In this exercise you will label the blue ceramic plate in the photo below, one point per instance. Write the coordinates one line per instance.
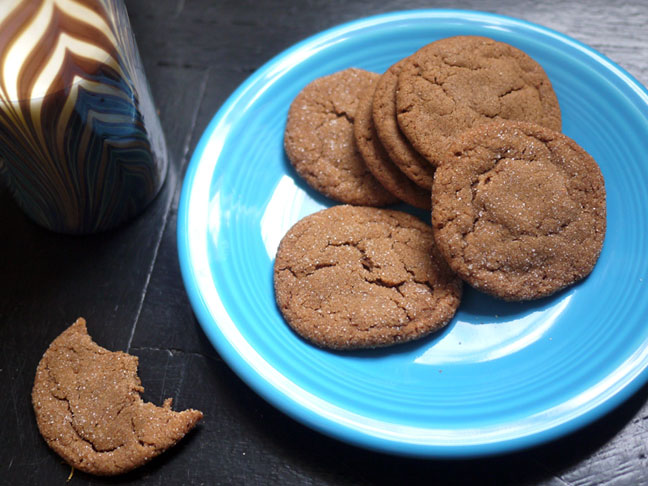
(502, 376)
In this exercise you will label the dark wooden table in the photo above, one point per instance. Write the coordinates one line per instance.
(127, 282)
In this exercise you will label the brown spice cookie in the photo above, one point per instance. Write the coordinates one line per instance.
(88, 407)
(356, 277)
(413, 165)
(456, 83)
(319, 139)
(520, 213)
(379, 163)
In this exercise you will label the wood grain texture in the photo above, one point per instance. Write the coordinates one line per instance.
(127, 282)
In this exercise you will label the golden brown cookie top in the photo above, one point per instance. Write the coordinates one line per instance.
(413, 165)
(357, 277)
(520, 212)
(378, 161)
(89, 410)
(319, 139)
(456, 83)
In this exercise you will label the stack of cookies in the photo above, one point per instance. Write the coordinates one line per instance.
(467, 127)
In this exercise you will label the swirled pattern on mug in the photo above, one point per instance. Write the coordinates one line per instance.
(81, 145)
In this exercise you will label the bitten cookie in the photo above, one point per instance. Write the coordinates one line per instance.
(379, 162)
(88, 407)
(357, 277)
(319, 139)
(408, 160)
(456, 83)
(520, 212)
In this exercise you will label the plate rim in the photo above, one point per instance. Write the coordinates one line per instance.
(244, 369)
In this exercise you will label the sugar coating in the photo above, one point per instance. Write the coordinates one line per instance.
(519, 212)
(319, 141)
(89, 410)
(357, 277)
(456, 83)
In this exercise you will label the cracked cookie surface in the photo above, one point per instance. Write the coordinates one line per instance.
(319, 142)
(414, 166)
(353, 277)
(459, 82)
(379, 162)
(521, 212)
(89, 410)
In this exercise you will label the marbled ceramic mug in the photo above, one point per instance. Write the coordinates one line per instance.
(81, 147)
